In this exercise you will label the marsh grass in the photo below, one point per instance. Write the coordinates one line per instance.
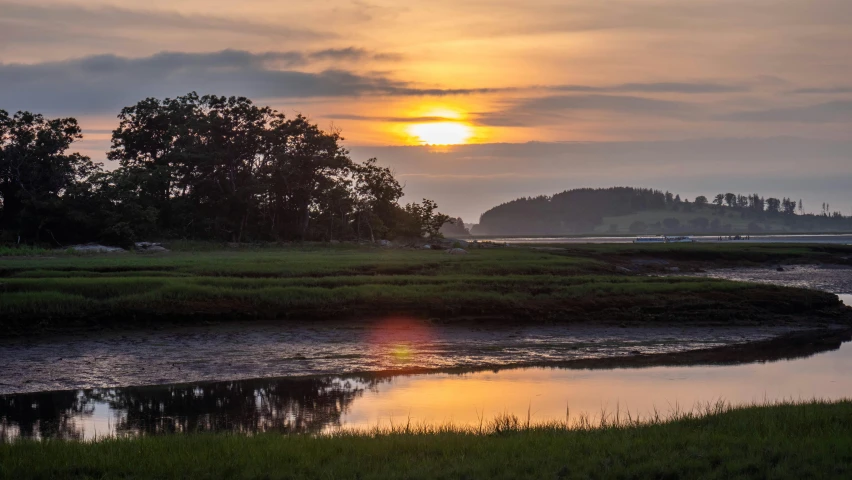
(779, 441)
(22, 251)
(310, 282)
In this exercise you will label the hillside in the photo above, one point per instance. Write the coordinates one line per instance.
(624, 210)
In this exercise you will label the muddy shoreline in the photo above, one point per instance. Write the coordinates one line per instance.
(268, 349)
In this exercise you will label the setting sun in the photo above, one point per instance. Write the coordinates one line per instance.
(441, 133)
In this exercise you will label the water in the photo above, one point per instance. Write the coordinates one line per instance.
(840, 239)
(828, 278)
(327, 403)
(271, 349)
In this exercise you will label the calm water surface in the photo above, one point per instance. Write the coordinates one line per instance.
(842, 239)
(328, 403)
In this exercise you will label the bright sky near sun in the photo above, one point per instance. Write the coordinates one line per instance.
(491, 74)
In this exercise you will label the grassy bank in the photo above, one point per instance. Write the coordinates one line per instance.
(812, 440)
(515, 284)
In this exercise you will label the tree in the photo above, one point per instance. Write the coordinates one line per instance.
(671, 223)
(376, 193)
(773, 205)
(425, 217)
(719, 199)
(226, 168)
(731, 199)
(700, 201)
(35, 173)
(455, 228)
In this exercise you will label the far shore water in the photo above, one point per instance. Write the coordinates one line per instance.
(827, 238)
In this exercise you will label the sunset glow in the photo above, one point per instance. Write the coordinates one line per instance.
(541, 93)
(441, 133)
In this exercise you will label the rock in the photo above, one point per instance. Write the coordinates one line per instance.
(673, 269)
(148, 247)
(623, 269)
(155, 249)
(426, 247)
(779, 269)
(385, 243)
(457, 251)
(95, 248)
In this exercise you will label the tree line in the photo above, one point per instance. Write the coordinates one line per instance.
(583, 210)
(197, 167)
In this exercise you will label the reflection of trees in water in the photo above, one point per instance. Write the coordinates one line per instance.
(304, 405)
(43, 415)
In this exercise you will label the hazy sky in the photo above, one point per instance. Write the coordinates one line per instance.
(693, 96)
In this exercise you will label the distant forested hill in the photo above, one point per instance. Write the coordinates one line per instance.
(646, 211)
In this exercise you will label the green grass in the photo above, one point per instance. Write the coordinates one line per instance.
(789, 441)
(578, 283)
(22, 251)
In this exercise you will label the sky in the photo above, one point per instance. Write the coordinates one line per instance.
(479, 102)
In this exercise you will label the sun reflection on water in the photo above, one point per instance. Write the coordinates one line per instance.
(399, 338)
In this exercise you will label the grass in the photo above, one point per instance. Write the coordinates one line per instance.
(22, 251)
(783, 441)
(577, 283)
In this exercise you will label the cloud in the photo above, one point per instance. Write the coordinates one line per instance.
(77, 18)
(659, 87)
(351, 54)
(828, 90)
(106, 83)
(347, 116)
(839, 111)
(553, 109)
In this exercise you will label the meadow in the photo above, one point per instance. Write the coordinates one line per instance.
(203, 282)
(781, 441)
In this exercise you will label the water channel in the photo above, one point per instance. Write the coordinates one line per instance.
(322, 403)
(327, 403)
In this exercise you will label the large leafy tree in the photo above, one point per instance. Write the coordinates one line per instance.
(204, 167)
(304, 165)
(36, 171)
(198, 158)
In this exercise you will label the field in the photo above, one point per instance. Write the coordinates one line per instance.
(787, 441)
(580, 283)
